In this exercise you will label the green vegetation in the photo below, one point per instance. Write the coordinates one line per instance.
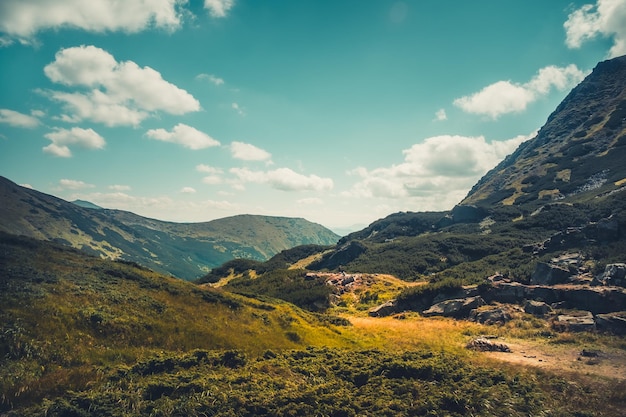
(314, 382)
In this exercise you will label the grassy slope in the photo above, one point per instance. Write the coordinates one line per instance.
(86, 337)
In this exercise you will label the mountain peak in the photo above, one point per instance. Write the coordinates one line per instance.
(580, 146)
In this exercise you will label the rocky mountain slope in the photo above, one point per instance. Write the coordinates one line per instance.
(185, 250)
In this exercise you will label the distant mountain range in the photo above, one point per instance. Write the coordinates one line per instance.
(184, 250)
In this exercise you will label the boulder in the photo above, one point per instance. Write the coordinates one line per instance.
(612, 323)
(550, 274)
(536, 308)
(614, 275)
(460, 307)
(492, 316)
(579, 322)
(383, 310)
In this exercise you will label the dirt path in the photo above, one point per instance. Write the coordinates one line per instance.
(565, 359)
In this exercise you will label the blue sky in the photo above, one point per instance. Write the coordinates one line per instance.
(341, 112)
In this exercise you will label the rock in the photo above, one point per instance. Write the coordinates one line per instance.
(550, 274)
(484, 345)
(614, 275)
(383, 310)
(459, 307)
(493, 316)
(612, 323)
(583, 321)
(536, 308)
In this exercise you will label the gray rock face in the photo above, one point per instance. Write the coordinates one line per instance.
(459, 307)
(549, 274)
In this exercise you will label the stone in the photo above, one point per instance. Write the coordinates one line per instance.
(485, 345)
(459, 307)
(614, 323)
(536, 308)
(580, 322)
(383, 310)
(492, 316)
(549, 274)
(614, 275)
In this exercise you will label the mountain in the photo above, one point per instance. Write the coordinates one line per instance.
(562, 190)
(185, 250)
(577, 155)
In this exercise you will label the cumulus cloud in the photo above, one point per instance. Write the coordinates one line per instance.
(18, 119)
(62, 139)
(606, 18)
(248, 152)
(22, 19)
(188, 190)
(215, 174)
(283, 179)
(504, 97)
(117, 93)
(211, 78)
(218, 8)
(68, 184)
(438, 172)
(184, 135)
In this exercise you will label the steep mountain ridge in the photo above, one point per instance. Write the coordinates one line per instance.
(185, 250)
(579, 149)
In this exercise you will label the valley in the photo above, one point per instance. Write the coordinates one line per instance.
(511, 303)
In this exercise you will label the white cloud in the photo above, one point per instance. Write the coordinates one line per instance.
(63, 138)
(67, 184)
(184, 135)
(238, 109)
(283, 179)
(118, 93)
(248, 152)
(218, 8)
(22, 19)
(437, 173)
(18, 119)
(118, 187)
(504, 97)
(208, 169)
(188, 190)
(211, 78)
(441, 115)
(606, 18)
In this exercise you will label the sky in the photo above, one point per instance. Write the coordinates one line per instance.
(338, 111)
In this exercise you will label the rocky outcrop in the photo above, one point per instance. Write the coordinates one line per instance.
(549, 274)
(596, 299)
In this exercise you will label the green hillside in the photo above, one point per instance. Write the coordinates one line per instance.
(184, 250)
